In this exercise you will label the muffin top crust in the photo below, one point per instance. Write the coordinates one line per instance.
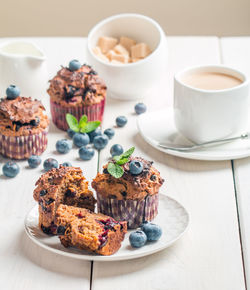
(79, 87)
(129, 186)
(22, 116)
(57, 176)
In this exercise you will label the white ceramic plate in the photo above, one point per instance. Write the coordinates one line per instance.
(159, 126)
(173, 219)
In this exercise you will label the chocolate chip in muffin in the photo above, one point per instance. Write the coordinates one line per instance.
(113, 196)
(35, 122)
(46, 230)
(69, 92)
(61, 230)
(92, 72)
(51, 180)
(17, 124)
(44, 208)
(43, 192)
(124, 194)
(49, 201)
(70, 193)
(153, 177)
(86, 90)
(49, 230)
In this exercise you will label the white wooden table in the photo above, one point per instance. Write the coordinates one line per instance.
(215, 252)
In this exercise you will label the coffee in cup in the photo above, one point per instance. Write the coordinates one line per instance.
(207, 80)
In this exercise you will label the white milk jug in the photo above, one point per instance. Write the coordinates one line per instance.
(23, 64)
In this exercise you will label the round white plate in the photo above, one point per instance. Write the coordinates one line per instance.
(173, 219)
(159, 126)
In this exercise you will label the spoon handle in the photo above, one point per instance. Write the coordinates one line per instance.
(195, 146)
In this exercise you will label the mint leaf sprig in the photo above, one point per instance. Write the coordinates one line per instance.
(114, 167)
(83, 126)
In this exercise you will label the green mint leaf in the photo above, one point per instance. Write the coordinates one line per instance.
(83, 128)
(115, 170)
(83, 121)
(116, 158)
(91, 126)
(127, 153)
(122, 161)
(72, 122)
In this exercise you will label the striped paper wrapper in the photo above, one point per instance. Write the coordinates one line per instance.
(58, 112)
(135, 212)
(22, 147)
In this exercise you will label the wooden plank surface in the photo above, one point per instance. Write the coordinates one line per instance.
(236, 53)
(209, 254)
(24, 265)
(207, 257)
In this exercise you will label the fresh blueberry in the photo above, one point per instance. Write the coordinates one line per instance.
(67, 164)
(116, 149)
(152, 231)
(81, 139)
(74, 65)
(12, 92)
(34, 161)
(63, 146)
(50, 163)
(11, 169)
(100, 141)
(137, 239)
(140, 108)
(109, 132)
(86, 153)
(135, 167)
(121, 121)
(96, 132)
(71, 133)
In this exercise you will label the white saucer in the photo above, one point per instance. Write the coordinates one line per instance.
(173, 219)
(159, 126)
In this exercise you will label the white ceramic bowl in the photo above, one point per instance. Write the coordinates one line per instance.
(133, 80)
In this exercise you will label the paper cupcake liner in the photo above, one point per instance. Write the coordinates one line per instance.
(135, 212)
(22, 147)
(58, 112)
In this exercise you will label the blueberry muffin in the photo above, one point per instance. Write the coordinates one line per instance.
(132, 197)
(23, 127)
(89, 231)
(77, 90)
(63, 185)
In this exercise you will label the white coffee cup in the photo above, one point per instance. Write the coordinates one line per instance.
(204, 115)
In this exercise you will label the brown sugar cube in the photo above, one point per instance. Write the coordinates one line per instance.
(135, 59)
(111, 55)
(121, 50)
(106, 43)
(97, 51)
(116, 61)
(127, 42)
(140, 50)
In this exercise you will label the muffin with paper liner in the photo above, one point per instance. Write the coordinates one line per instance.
(77, 90)
(125, 194)
(23, 126)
